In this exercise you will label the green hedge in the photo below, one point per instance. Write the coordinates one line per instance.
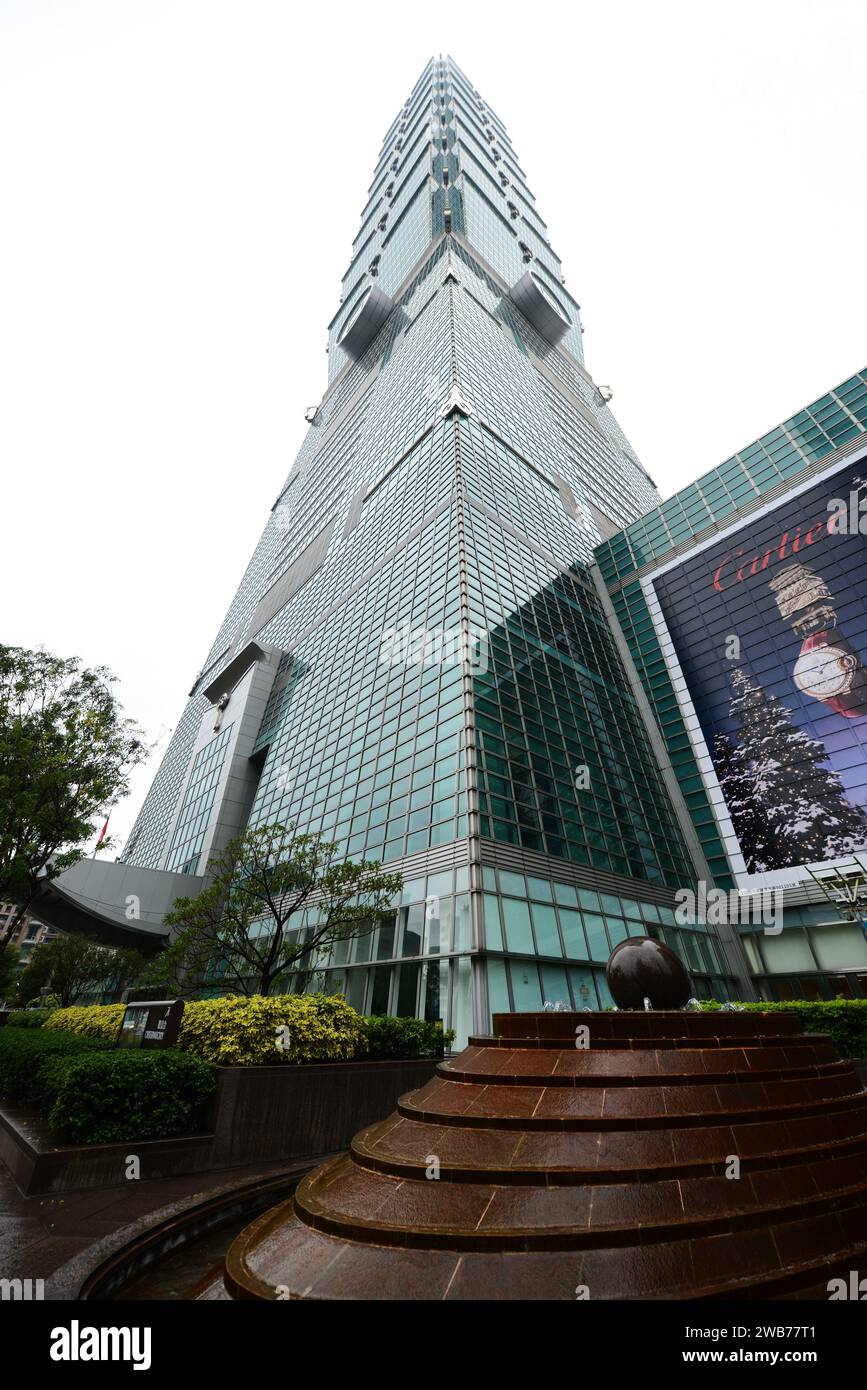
(241, 1030)
(845, 1020)
(245, 1030)
(93, 1093)
(387, 1036)
(28, 1018)
(33, 1063)
(91, 1020)
(113, 1097)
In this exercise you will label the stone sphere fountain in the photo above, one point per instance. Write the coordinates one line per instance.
(644, 1153)
(642, 968)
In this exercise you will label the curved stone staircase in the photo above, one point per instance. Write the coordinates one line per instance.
(529, 1168)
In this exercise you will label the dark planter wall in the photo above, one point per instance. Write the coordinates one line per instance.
(260, 1115)
(265, 1113)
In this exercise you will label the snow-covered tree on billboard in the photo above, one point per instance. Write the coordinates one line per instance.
(739, 790)
(788, 806)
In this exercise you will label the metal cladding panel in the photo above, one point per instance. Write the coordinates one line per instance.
(366, 322)
(229, 675)
(288, 583)
(537, 305)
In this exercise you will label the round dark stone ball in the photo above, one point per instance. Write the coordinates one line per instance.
(642, 968)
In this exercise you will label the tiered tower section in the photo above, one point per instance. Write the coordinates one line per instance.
(454, 481)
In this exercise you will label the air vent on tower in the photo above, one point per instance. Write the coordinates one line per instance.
(539, 306)
(364, 324)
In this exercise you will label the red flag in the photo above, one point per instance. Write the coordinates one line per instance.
(102, 831)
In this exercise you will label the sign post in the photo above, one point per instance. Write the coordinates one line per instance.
(151, 1023)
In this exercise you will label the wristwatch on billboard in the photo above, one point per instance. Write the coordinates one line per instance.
(828, 668)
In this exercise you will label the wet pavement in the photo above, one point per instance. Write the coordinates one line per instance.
(61, 1238)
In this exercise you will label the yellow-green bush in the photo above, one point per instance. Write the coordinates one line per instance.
(242, 1031)
(91, 1020)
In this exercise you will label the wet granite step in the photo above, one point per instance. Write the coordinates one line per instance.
(560, 1167)
(287, 1259)
(377, 1209)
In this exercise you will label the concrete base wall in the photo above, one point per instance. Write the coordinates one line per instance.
(260, 1115)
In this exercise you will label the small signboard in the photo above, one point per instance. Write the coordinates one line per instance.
(151, 1023)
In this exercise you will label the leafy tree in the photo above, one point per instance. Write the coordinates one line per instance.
(34, 977)
(65, 753)
(8, 968)
(120, 969)
(240, 929)
(71, 966)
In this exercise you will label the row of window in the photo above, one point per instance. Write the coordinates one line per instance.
(822, 427)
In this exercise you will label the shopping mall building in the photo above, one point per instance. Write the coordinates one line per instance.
(742, 602)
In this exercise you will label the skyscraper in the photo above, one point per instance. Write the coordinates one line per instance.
(417, 661)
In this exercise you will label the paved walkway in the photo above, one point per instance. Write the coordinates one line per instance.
(61, 1238)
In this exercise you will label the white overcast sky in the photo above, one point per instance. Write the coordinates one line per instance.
(181, 184)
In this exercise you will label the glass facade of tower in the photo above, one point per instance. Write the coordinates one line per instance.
(454, 482)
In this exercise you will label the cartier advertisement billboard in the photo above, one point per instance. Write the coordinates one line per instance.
(769, 629)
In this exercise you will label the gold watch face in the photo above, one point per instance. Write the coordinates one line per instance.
(824, 672)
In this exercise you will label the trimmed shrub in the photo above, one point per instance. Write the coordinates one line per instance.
(90, 1020)
(34, 1062)
(93, 1093)
(845, 1020)
(387, 1036)
(28, 1018)
(119, 1096)
(242, 1030)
